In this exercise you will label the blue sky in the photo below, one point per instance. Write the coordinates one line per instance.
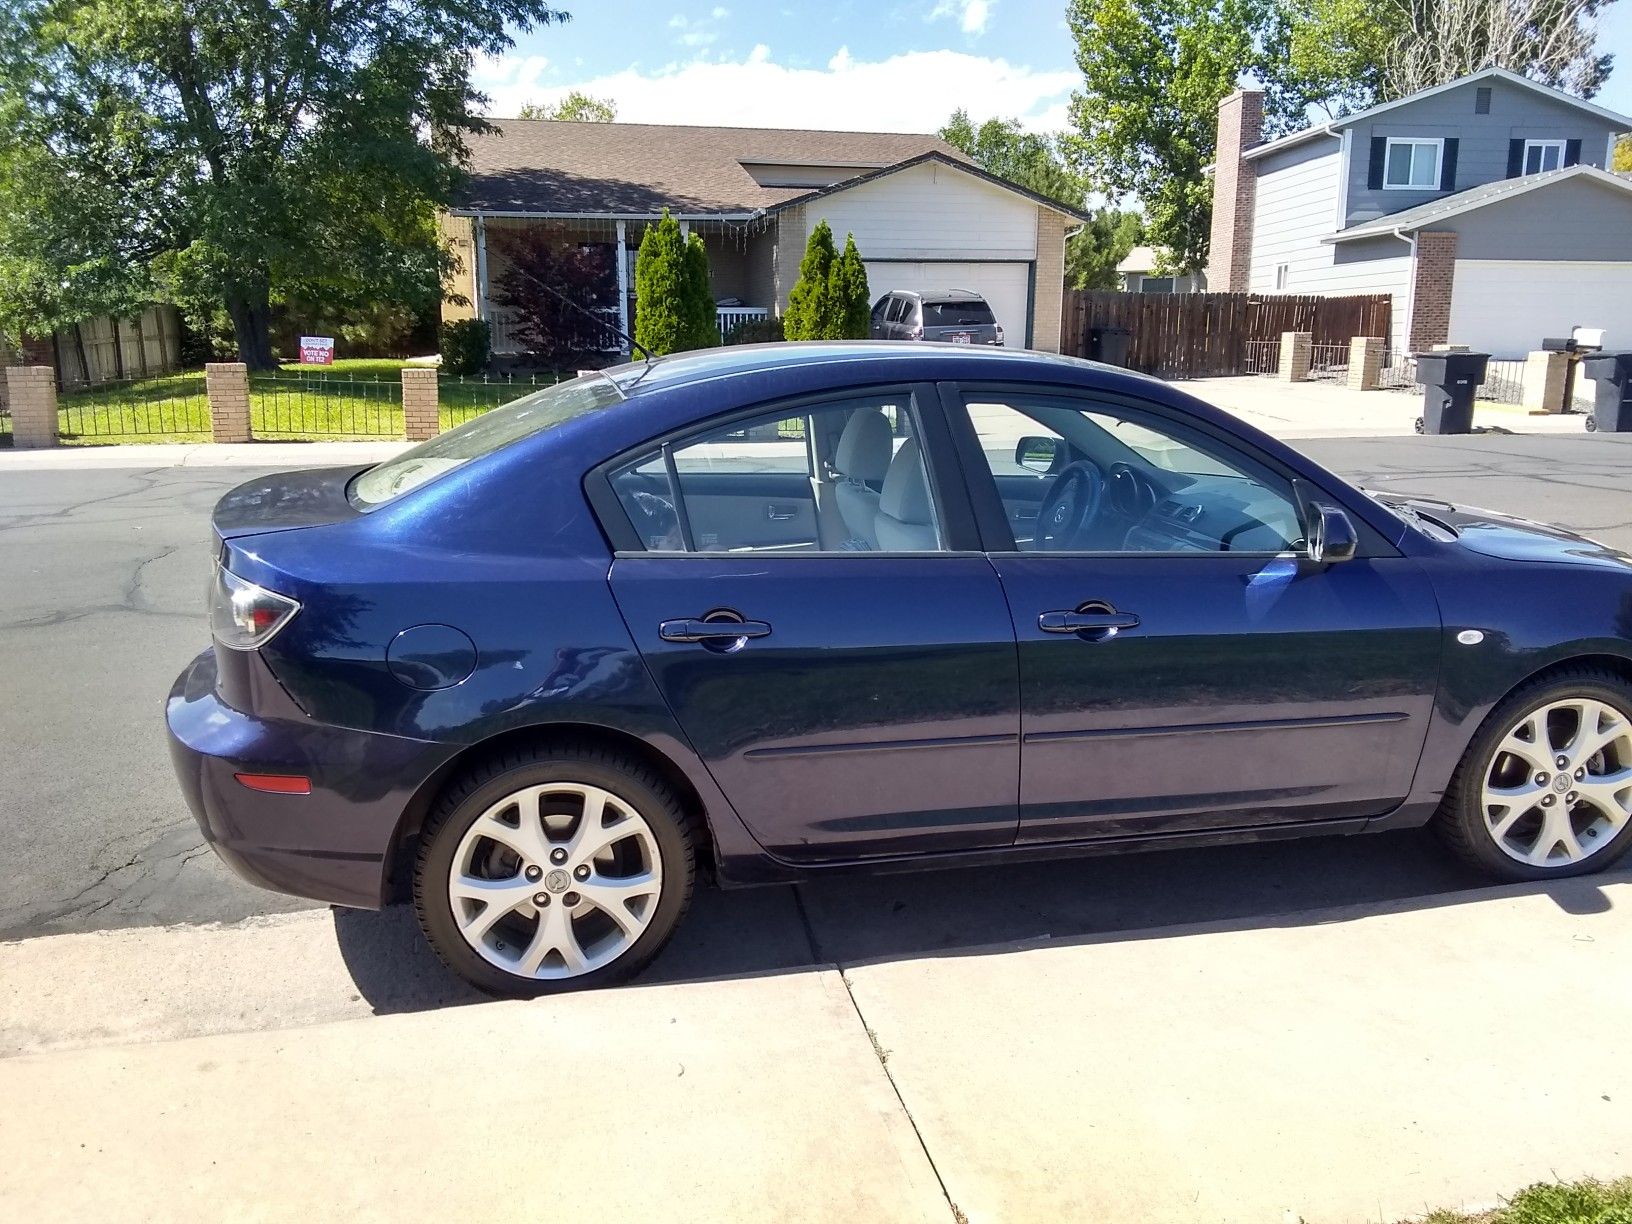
(889, 65)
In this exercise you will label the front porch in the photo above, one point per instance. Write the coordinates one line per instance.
(741, 257)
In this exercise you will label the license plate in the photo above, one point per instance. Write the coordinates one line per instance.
(960, 338)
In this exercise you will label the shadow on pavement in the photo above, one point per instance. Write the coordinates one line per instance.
(975, 911)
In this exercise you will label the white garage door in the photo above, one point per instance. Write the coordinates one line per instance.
(1506, 307)
(1003, 285)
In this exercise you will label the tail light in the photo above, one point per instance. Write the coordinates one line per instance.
(244, 616)
(1000, 333)
(916, 333)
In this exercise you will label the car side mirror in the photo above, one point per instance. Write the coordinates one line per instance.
(1332, 537)
(1037, 454)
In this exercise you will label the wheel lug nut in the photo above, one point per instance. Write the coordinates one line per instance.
(541, 899)
(1580, 773)
(1546, 801)
(1542, 779)
(1571, 797)
(558, 856)
(582, 872)
(534, 874)
(571, 899)
(1563, 762)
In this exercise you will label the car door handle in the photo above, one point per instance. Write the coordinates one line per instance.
(692, 630)
(1093, 625)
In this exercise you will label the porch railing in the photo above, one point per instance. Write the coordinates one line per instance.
(732, 317)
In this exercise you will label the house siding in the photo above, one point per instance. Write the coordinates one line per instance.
(459, 282)
(1575, 221)
(931, 212)
(1516, 113)
(1296, 207)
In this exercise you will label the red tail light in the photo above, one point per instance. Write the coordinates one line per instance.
(276, 784)
(244, 616)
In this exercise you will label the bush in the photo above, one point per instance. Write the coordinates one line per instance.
(830, 302)
(704, 331)
(467, 344)
(757, 331)
(851, 296)
(661, 325)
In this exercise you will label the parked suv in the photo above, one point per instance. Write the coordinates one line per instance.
(960, 316)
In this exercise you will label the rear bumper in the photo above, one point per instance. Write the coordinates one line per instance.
(333, 844)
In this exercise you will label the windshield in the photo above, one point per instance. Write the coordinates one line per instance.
(535, 413)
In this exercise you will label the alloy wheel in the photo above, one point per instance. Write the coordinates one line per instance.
(1559, 786)
(555, 881)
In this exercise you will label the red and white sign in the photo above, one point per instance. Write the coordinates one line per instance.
(317, 350)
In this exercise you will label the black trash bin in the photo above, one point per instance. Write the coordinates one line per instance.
(1449, 382)
(1109, 345)
(1612, 406)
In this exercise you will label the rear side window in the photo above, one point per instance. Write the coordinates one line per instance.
(492, 431)
(952, 314)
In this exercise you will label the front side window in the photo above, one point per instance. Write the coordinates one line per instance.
(1087, 477)
(1412, 164)
(1540, 156)
(844, 477)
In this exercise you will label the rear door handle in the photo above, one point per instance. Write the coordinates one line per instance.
(692, 630)
(1095, 624)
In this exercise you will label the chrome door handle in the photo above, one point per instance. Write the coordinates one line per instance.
(1092, 623)
(693, 630)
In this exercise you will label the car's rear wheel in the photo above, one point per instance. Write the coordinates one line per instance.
(1545, 789)
(553, 870)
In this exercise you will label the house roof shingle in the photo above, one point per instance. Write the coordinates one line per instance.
(550, 166)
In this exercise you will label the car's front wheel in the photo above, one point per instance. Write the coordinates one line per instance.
(1545, 789)
(553, 870)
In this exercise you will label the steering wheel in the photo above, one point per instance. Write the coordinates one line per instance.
(1071, 506)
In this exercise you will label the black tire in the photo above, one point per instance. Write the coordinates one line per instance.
(467, 797)
(1460, 822)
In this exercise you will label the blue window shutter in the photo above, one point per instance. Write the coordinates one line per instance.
(1515, 158)
(1572, 152)
(1374, 172)
(1447, 166)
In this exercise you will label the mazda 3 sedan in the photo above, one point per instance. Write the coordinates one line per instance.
(774, 611)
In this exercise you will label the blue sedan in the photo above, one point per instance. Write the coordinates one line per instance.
(774, 611)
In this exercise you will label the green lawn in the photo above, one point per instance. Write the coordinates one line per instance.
(351, 399)
(1582, 1202)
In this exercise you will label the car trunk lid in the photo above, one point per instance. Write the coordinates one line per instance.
(284, 501)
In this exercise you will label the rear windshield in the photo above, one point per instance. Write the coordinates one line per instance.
(535, 413)
(951, 314)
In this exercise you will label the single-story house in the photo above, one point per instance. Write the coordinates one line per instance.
(1484, 206)
(924, 216)
(1138, 272)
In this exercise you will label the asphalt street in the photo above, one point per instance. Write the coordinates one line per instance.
(102, 579)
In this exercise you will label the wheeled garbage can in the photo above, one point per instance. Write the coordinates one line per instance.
(1109, 345)
(1612, 405)
(1449, 383)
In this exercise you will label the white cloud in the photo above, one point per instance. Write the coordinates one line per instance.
(697, 38)
(678, 22)
(759, 91)
(719, 12)
(973, 15)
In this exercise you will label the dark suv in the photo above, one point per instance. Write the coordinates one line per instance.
(959, 316)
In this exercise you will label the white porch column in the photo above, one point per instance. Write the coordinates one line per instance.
(623, 284)
(685, 229)
(481, 266)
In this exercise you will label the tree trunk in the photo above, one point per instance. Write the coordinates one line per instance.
(252, 328)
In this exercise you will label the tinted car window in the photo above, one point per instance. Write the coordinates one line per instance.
(535, 413)
(753, 486)
(951, 314)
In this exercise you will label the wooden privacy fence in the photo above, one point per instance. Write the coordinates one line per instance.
(1199, 335)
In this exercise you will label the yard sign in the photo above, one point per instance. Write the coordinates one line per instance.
(317, 350)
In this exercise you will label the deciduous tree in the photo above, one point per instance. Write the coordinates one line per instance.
(576, 107)
(222, 152)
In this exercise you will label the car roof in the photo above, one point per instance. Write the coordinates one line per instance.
(938, 295)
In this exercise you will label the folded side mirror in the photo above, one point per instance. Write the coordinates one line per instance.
(1332, 537)
(1036, 453)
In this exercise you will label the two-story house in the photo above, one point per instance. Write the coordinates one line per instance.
(1484, 206)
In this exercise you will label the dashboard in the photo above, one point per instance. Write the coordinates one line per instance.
(1195, 513)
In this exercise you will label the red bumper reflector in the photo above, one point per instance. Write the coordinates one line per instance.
(276, 784)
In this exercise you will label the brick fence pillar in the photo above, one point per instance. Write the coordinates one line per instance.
(32, 391)
(1544, 377)
(1432, 279)
(1297, 348)
(226, 383)
(1365, 363)
(421, 416)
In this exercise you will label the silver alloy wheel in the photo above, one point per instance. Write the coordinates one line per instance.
(1559, 787)
(555, 881)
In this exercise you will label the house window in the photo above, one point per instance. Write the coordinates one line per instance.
(1412, 165)
(1540, 156)
(1283, 274)
(1156, 284)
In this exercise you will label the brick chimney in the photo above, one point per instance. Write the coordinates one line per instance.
(1235, 183)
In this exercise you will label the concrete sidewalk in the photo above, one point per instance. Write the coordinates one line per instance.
(1363, 1064)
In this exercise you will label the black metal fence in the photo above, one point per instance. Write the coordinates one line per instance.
(465, 399)
(169, 407)
(1260, 356)
(1504, 378)
(314, 405)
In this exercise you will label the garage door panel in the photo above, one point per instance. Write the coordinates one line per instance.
(1003, 285)
(1506, 307)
